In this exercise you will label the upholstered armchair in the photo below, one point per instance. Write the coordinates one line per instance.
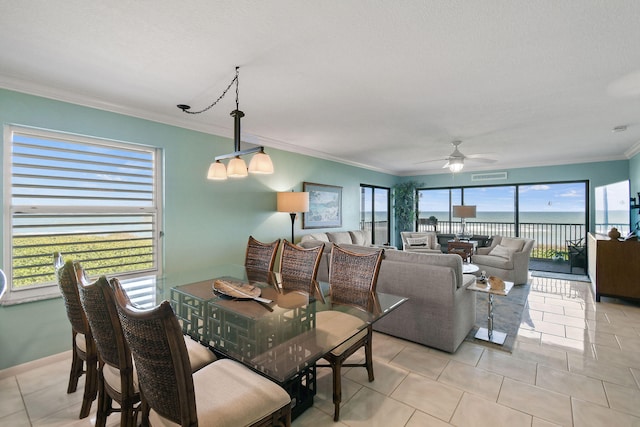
(420, 241)
(507, 258)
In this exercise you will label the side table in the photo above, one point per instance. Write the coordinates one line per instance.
(488, 334)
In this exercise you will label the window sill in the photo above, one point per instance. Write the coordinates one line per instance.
(30, 295)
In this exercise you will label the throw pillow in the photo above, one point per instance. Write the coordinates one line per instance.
(502, 252)
(418, 241)
(515, 244)
(340, 237)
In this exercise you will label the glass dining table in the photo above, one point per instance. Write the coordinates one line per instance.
(279, 334)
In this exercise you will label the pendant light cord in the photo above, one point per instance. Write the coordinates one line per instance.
(235, 80)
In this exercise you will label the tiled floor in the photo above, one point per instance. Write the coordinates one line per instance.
(575, 363)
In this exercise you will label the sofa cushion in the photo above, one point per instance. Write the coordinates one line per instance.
(515, 244)
(493, 261)
(502, 252)
(360, 237)
(317, 236)
(340, 237)
(419, 241)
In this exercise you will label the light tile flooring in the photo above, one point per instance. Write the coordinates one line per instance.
(575, 363)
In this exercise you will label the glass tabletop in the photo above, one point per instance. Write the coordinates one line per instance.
(289, 330)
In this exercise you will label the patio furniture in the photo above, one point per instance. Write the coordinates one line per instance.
(577, 250)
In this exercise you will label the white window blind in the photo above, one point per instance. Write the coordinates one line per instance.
(93, 200)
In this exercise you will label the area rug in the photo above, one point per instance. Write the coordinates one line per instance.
(562, 276)
(507, 315)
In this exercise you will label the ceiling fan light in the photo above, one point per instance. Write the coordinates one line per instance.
(217, 171)
(237, 168)
(261, 163)
(456, 165)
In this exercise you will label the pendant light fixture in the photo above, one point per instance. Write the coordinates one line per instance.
(237, 168)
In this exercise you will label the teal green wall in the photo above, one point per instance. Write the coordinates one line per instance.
(204, 221)
(597, 174)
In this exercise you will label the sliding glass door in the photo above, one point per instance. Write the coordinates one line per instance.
(374, 213)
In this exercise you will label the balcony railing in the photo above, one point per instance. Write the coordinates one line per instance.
(551, 239)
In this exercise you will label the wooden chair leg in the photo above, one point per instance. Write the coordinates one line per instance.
(368, 351)
(77, 365)
(90, 386)
(336, 367)
(103, 402)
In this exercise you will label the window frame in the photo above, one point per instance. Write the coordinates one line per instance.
(373, 189)
(47, 290)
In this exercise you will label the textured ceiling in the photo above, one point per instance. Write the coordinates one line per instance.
(382, 84)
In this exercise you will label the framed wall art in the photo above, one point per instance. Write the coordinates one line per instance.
(325, 206)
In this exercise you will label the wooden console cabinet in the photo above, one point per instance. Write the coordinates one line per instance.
(614, 267)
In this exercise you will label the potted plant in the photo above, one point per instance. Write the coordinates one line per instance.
(405, 203)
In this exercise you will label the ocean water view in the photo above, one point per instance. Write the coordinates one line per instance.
(614, 217)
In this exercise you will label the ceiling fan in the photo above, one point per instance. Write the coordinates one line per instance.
(455, 161)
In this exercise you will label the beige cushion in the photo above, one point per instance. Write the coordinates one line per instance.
(419, 241)
(502, 251)
(515, 244)
(341, 237)
(199, 355)
(111, 376)
(81, 342)
(360, 237)
(229, 395)
(317, 236)
(333, 326)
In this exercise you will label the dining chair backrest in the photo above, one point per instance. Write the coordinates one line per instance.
(118, 377)
(260, 256)
(299, 263)
(100, 307)
(158, 348)
(84, 349)
(353, 277)
(67, 282)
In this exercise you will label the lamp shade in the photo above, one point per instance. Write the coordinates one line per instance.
(463, 211)
(290, 201)
(261, 163)
(217, 171)
(237, 168)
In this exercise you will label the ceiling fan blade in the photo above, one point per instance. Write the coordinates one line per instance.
(481, 159)
(432, 160)
(446, 165)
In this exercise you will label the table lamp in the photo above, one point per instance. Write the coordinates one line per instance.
(293, 202)
(463, 212)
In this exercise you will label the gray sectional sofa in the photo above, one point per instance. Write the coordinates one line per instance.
(440, 311)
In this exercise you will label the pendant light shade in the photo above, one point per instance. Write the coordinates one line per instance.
(217, 171)
(261, 163)
(237, 168)
(456, 164)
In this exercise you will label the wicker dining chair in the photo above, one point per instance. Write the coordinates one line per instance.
(299, 266)
(222, 393)
(82, 342)
(261, 256)
(117, 379)
(352, 281)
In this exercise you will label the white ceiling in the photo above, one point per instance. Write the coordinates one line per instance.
(382, 84)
